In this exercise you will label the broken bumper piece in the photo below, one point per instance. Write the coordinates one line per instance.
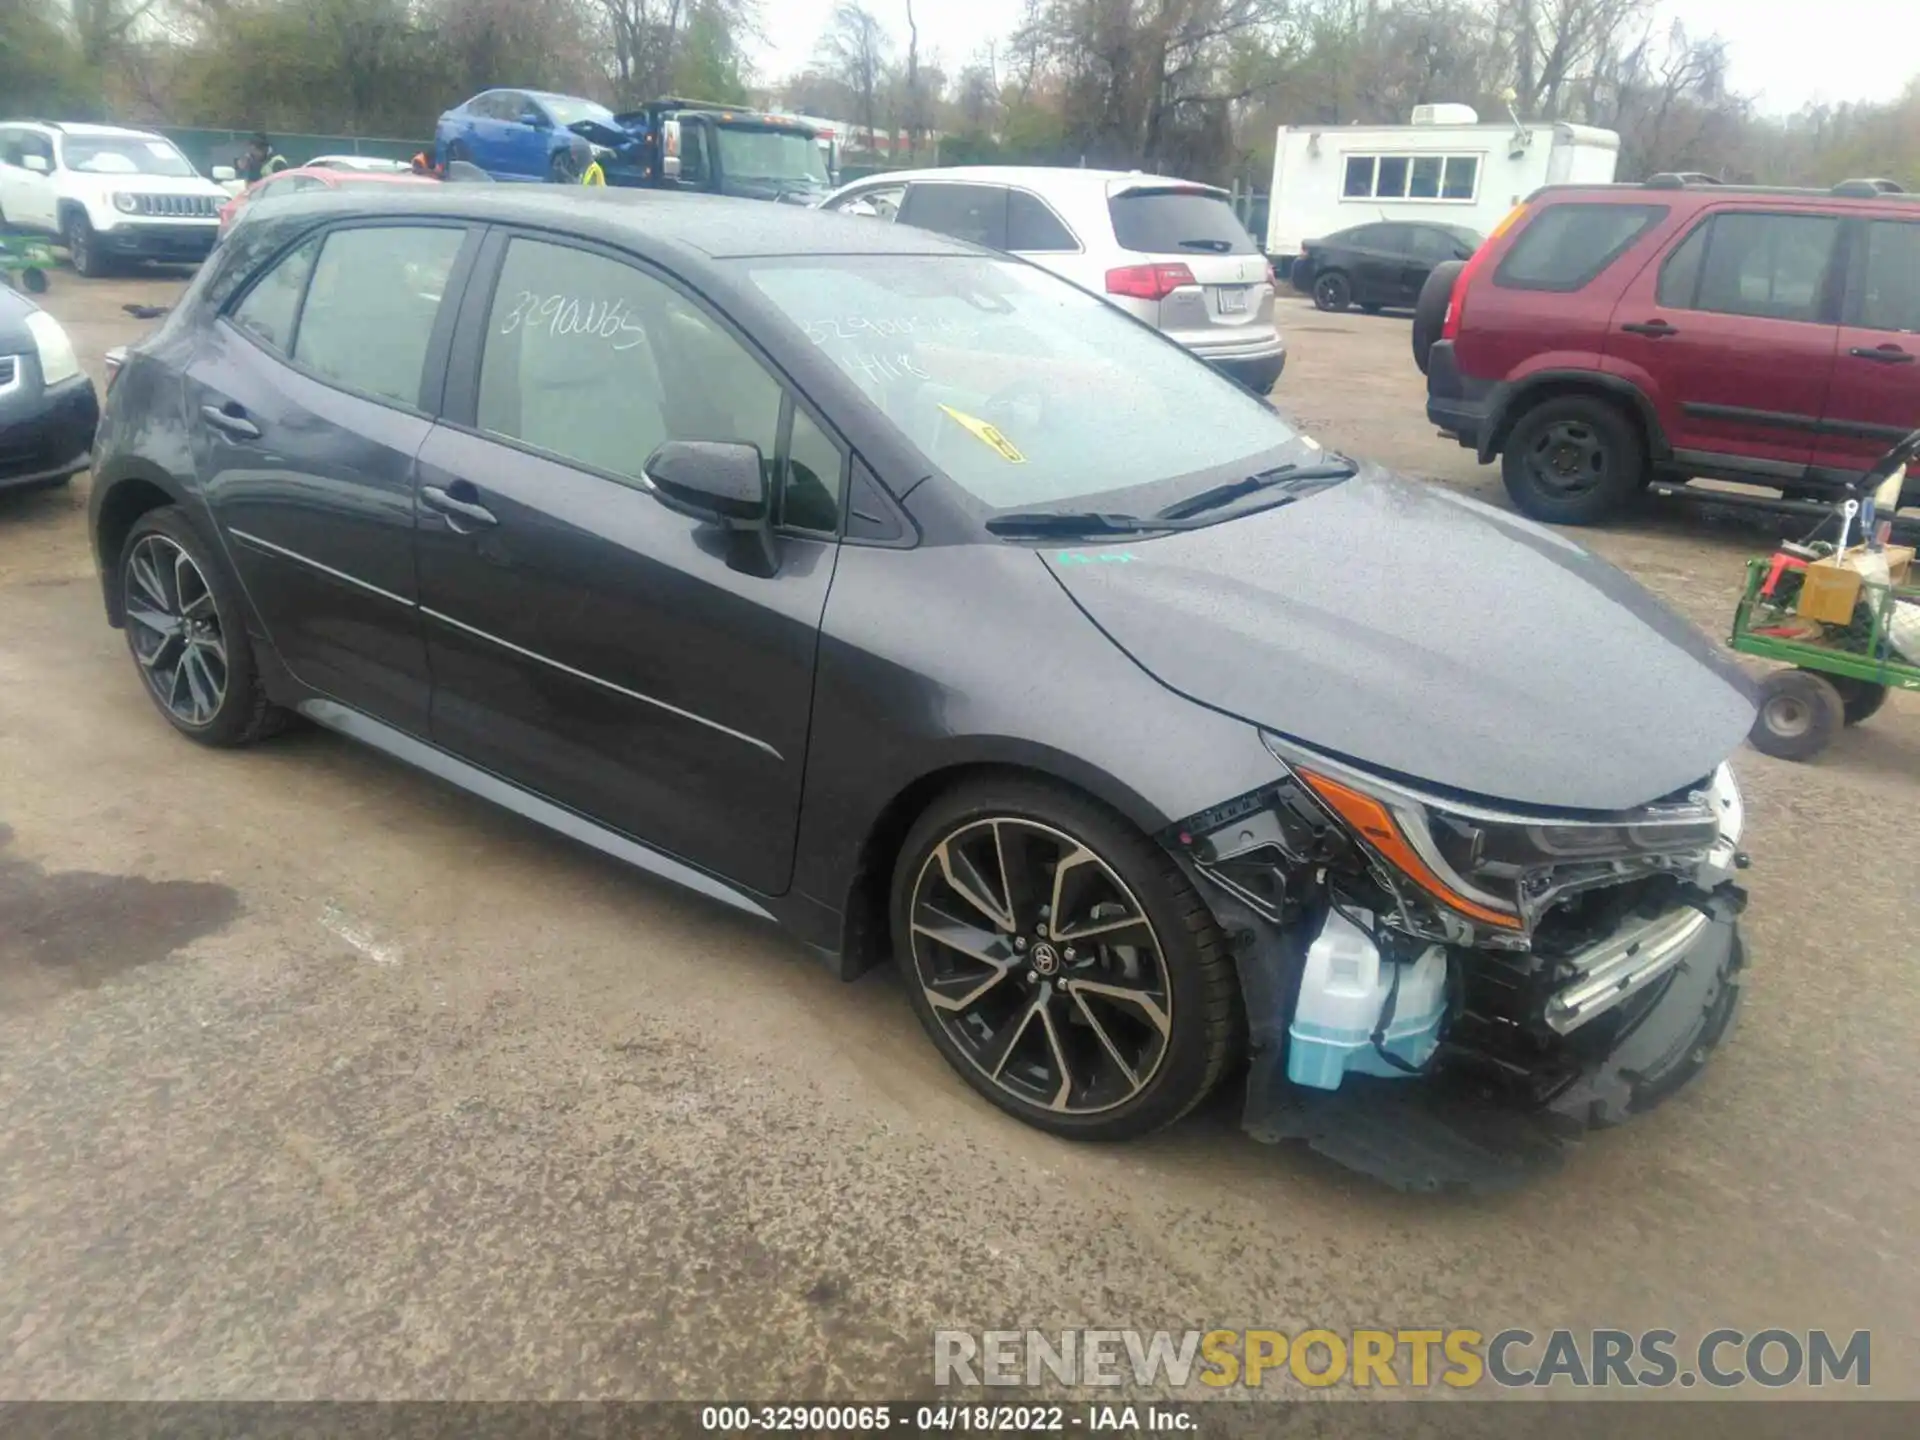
(1482, 1127)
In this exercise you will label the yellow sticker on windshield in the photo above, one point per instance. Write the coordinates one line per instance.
(987, 434)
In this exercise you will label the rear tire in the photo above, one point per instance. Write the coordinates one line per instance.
(1572, 461)
(1001, 970)
(1860, 699)
(1430, 310)
(186, 628)
(1800, 713)
(561, 169)
(1332, 291)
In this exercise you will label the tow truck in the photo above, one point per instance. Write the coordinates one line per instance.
(679, 144)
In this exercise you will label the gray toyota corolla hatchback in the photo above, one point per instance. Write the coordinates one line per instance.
(907, 595)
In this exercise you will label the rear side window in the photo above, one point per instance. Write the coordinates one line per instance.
(1890, 288)
(1769, 266)
(1566, 246)
(966, 212)
(1032, 226)
(273, 305)
(1176, 222)
(371, 306)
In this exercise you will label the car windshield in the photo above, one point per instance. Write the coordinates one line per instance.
(1025, 390)
(752, 154)
(566, 110)
(124, 155)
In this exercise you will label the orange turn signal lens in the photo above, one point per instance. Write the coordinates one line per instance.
(1375, 824)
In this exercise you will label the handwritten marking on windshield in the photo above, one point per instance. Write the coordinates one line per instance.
(898, 366)
(850, 328)
(987, 434)
(561, 315)
(1104, 557)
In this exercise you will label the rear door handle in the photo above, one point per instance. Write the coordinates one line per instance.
(1885, 354)
(1652, 329)
(232, 419)
(456, 509)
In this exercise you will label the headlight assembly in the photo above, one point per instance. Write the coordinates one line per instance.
(126, 204)
(58, 361)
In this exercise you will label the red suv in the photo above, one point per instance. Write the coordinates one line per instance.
(1607, 338)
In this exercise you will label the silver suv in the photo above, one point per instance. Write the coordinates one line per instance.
(1170, 252)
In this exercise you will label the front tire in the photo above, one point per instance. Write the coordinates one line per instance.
(186, 629)
(1332, 292)
(1061, 961)
(83, 247)
(1572, 461)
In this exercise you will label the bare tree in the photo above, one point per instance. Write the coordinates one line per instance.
(855, 50)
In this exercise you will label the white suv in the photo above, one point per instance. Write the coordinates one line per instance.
(106, 193)
(1169, 252)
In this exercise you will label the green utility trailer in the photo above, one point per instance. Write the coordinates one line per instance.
(25, 261)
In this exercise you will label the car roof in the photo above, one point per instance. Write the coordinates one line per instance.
(1056, 179)
(717, 227)
(1670, 190)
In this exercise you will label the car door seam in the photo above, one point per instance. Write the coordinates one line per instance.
(592, 679)
(248, 539)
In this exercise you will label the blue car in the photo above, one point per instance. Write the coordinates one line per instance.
(520, 134)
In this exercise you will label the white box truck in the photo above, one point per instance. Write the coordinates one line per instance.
(1445, 166)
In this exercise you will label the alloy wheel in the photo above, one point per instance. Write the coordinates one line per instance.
(1569, 457)
(1041, 965)
(174, 629)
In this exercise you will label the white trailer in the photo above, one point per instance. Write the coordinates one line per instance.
(1444, 167)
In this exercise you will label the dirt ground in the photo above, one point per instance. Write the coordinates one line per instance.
(318, 1079)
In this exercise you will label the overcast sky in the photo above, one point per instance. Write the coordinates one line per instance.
(1784, 54)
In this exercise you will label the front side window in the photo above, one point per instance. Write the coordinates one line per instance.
(124, 155)
(1771, 267)
(371, 305)
(1022, 388)
(882, 203)
(1890, 291)
(597, 362)
(1565, 246)
(966, 212)
(272, 306)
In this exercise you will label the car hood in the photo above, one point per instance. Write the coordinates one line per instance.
(154, 184)
(1412, 630)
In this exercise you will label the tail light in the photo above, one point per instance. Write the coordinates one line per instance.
(1457, 301)
(1148, 282)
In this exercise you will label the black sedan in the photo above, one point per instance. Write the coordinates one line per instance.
(1377, 266)
(47, 404)
(900, 592)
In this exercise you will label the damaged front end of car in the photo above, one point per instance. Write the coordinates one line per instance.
(1448, 993)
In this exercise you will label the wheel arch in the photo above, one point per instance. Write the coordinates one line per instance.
(1517, 399)
(118, 502)
(864, 926)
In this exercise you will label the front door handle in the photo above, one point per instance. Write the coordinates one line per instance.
(460, 513)
(1652, 329)
(232, 419)
(1888, 354)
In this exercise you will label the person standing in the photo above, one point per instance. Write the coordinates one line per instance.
(260, 160)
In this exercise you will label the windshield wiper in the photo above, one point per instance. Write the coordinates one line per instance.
(1071, 522)
(1218, 247)
(1285, 476)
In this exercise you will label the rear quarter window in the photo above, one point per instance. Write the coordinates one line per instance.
(1565, 247)
(1177, 222)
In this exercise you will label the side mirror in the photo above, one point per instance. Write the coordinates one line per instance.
(36, 163)
(224, 173)
(723, 483)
